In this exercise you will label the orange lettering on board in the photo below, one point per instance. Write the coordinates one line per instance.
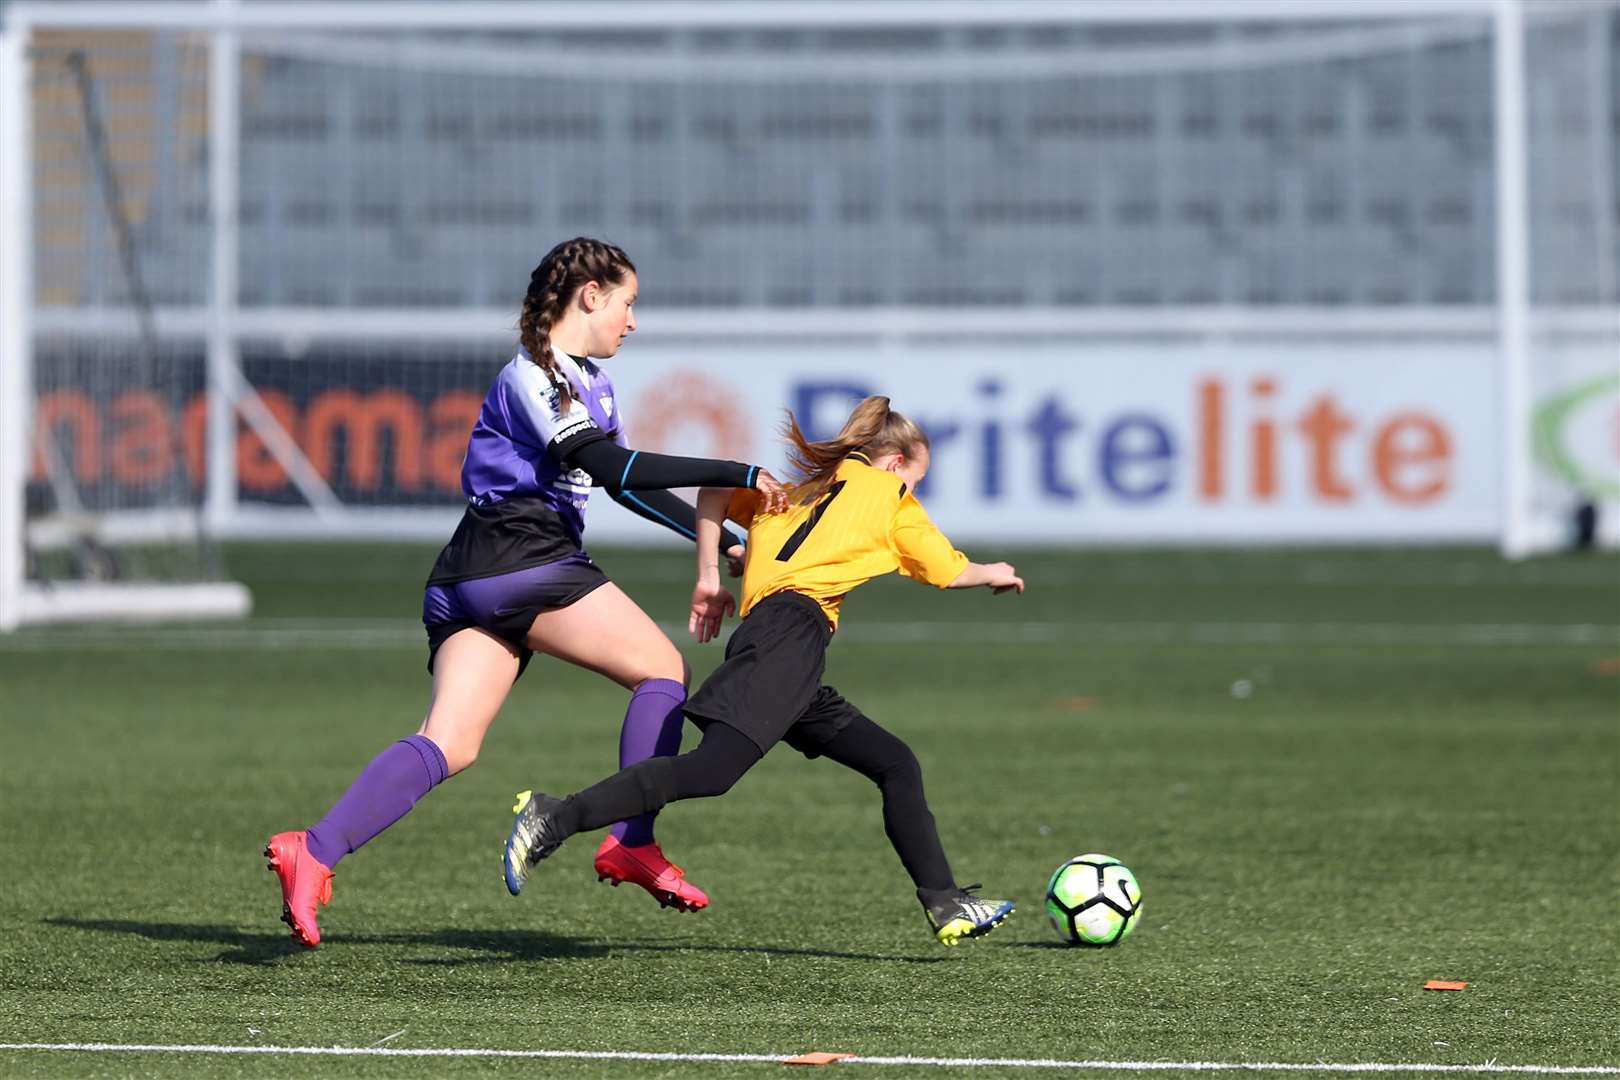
(72, 410)
(142, 441)
(363, 419)
(1211, 396)
(1323, 426)
(257, 468)
(1407, 443)
(450, 417)
(1265, 446)
(194, 434)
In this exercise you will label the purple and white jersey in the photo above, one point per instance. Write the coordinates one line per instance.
(507, 455)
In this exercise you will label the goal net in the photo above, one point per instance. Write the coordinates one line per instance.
(1572, 367)
(1235, 270)
(105, 413)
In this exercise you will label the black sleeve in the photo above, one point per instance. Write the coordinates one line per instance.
(671, 511)
(618, 469)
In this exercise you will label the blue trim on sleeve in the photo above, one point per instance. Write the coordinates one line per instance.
(626, 474)
(753, 471)
(671, 522)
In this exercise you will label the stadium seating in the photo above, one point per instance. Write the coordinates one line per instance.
(1351, 181)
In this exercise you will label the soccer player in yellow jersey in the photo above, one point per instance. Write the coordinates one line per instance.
(852, 517)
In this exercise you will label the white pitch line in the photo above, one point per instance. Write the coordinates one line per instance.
(940, 1062)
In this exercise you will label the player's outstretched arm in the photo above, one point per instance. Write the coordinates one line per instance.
(711, 602)
(573, 438)
(619, 469)
(999, 576)
(673, 513)
(926, 554)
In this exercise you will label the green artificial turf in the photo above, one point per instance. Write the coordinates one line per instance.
(1337, 774)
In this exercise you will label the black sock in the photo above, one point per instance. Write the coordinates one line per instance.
(930, 897)
(643, 788)
(888, 762)
(647, 786)
(567, 815)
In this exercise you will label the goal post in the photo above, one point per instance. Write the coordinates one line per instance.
(75, 546)
(1320, 272)
(1561, 455)
(15, 357)
(1512, 274)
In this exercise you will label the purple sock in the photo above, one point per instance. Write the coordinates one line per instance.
(380, 796)
(652, 728)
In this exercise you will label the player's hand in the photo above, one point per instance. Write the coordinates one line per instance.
(734, 560)
(1003, 578)
(773, 496)
(711, 603)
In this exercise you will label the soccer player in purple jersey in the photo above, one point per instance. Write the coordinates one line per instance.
(515, 580)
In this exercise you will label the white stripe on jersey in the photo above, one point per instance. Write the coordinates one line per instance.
(541, 403)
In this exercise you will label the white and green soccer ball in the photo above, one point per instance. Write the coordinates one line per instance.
(1093, 900)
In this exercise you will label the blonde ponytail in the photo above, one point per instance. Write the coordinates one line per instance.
(872, 429)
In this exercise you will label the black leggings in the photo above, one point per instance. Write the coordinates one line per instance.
(725, 754)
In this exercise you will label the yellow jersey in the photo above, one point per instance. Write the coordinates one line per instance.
(863, 525)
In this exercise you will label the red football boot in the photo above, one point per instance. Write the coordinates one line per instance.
(646, 866)
(305, 884)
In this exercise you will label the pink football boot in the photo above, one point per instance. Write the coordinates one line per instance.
(646, 866)
(305, 885)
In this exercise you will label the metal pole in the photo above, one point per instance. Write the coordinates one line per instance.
(1513, 277)
(16, 357)
(700, 14)
(1601, 149)
(224, 117)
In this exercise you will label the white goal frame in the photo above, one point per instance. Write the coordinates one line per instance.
(1508, 322)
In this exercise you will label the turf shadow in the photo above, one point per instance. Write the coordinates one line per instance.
(501, 946)
(243, 947)
(489, 946)
(771, 950)
(1061, 945)
(248, 947)
(504, 946)
(486, 946)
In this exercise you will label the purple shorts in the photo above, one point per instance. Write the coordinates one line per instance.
(506, 604)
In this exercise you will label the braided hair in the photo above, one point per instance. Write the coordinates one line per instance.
(553, 284)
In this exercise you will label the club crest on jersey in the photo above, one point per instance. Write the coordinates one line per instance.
(607, 404)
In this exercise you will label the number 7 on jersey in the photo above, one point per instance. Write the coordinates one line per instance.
(802, 533)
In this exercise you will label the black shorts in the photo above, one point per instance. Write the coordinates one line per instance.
(769, 687)
(506, 604)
